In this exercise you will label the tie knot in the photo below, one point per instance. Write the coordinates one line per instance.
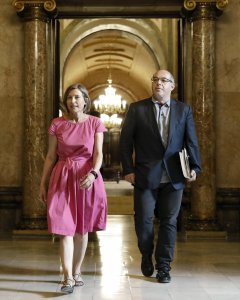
(160, 104)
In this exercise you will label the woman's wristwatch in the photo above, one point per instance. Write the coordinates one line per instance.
(95, 174)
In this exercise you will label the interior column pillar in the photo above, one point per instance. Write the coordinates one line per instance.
(203, 15)
(36, 16)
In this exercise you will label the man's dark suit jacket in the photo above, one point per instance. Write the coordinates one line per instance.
(140, 135)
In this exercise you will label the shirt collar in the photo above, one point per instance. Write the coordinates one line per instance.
(167, 104)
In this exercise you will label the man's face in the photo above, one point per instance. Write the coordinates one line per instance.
(162, 85)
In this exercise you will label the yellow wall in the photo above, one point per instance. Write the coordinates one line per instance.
(11, 96)
(228, 97)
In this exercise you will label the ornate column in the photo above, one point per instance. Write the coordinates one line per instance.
(36, 15)
(202, 15)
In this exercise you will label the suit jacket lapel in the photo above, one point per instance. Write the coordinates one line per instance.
(173, 120)
(152, 118)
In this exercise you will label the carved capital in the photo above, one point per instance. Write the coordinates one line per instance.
(222, 4)
(49, 5)
(199, 9)
(35, 9)
(190, 4)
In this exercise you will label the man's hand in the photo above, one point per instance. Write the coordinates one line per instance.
(130, 178)
(193, 176)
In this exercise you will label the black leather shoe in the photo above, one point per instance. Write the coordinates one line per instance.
(147, 265)
(163, 276)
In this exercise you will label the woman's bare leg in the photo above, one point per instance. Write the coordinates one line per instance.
(66, 255)
(80, 246)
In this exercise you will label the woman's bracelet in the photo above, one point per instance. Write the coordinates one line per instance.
(95, 174)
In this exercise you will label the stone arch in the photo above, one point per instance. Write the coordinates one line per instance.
(144, 31)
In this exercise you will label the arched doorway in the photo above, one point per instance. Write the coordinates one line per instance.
(127, 50)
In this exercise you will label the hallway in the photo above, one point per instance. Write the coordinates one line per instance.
(202, 270)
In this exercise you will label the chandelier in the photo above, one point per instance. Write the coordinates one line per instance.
(109, 106)
(112, 121)
(110, 103)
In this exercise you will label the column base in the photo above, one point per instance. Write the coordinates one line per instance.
(212, 235)
(34, 223)
(32, 227)
(195, 224)
(204, 229)
(31, 234)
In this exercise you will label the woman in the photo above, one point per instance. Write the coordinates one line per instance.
(76, 198)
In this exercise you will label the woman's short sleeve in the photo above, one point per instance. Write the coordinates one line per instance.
(100, 127)
(52, 128)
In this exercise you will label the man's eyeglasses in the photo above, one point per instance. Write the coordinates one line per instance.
(162, 79)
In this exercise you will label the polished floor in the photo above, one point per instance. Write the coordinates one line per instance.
(202, 270)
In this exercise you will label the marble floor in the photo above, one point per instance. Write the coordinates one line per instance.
(202, 269)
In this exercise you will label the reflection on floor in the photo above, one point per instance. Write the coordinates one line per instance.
(207, 269)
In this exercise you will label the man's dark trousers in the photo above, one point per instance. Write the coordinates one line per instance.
(165, 201)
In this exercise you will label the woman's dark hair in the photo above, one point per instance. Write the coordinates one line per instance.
(83, 90)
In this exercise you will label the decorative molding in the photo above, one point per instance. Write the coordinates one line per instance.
(10, 197)
(200, 10)
(227, 212)
(224, 196)
(49, 5)
(191, 4)
(222, 4)
(118, 8)
(10, 193)
(227, 200)
(202, 225)
(29, 10)
(33, 223)
(11, 200)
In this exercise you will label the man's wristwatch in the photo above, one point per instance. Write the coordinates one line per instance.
(95, 174)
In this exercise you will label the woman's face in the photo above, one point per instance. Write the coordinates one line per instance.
(75, 101)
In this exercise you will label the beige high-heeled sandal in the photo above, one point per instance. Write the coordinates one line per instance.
(68, 286)
(78, 279)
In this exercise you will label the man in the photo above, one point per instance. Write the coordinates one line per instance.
(155, 130)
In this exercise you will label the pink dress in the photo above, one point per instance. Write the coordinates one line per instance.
(71, 209)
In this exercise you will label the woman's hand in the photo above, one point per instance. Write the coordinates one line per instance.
(87, 181)
(43, 194)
